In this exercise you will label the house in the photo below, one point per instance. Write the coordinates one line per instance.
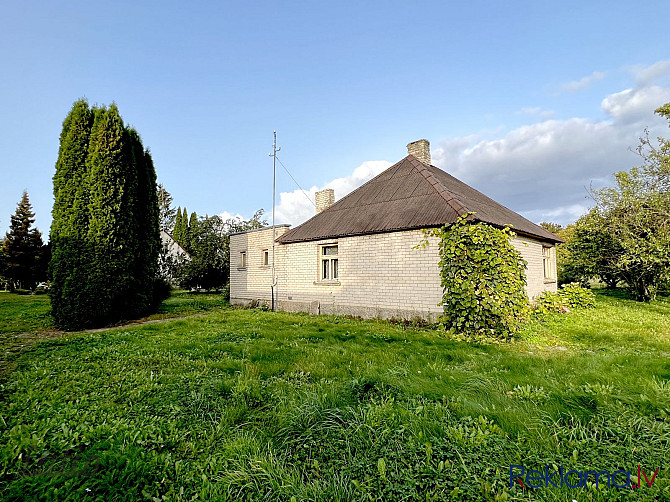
(357, 256)
(171, 254)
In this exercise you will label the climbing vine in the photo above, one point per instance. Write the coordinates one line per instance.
(483, 279)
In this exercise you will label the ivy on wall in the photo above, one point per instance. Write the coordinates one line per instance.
(483, 279)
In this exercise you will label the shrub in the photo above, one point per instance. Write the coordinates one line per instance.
(576, 296)
(226, 292)
(483, 279)
(549, 301)
(568, 297)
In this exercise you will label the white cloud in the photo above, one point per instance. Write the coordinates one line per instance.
(635, 105)
(225, 216)
(582, 83)
(536, 111)
(544, 170)
(647, 75)
(298, 206)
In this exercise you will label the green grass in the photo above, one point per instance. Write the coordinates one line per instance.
(23, 313)
(28, 313)
(249, 405)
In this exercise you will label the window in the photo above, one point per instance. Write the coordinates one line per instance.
(266, 258)
(548, 263)
(328, 262)
(243, 259)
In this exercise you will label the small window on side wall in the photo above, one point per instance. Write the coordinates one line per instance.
(243, 259)
(329, 263)
(266, 258)
(548, 263)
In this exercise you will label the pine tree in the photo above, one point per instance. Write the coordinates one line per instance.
(22, 247)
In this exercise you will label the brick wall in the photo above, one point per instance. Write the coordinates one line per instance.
(531, 250)
(380, 275)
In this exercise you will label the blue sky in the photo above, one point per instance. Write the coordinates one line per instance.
(530, 102)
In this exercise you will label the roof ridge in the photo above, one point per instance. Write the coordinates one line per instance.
(441, 190)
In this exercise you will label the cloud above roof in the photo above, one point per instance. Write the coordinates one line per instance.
(542, 170)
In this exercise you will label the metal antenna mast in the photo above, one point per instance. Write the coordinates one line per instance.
(275, 149)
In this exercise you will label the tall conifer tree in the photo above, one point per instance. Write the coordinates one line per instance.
(192, 232)
(22, 246)
(113, 276)
(177, 232)
(69, 253)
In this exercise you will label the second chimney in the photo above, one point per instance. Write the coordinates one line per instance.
(421, 150)
(324, 199)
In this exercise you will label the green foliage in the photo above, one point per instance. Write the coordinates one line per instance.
(554, 228)
(177, 232)
(575, 296)
(167, 213)
(549, 301)
(249, 405)
(104, 234)
(483, 278)
(209, 266)
(569, 296)
(626, 236)
(23, 248)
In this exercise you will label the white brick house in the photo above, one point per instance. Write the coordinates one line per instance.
(357, 256)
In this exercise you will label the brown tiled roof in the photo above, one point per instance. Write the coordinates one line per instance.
(409, 195)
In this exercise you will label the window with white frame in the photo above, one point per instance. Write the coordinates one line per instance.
(243, 259)
(328, 263)
(548, 263)
(266, 258)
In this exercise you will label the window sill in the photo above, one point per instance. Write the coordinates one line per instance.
(549, 281)
(327, 283)
(241, 268)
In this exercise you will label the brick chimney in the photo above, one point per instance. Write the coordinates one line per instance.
(420, 149)
(324, 199)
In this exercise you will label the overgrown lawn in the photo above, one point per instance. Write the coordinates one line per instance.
(251, 405)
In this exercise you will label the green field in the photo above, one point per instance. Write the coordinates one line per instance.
(249, 405)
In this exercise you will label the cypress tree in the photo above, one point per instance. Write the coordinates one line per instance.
(184, 237)
(112, 227)
(192, 232)
(177, 232)
(69, 227)
(147, 224)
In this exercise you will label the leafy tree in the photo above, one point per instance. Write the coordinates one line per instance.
(22, 247)
(626, 236)
(554, 228)
(105, 245)
(483, 278)
(167, 213)
(209, 267)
